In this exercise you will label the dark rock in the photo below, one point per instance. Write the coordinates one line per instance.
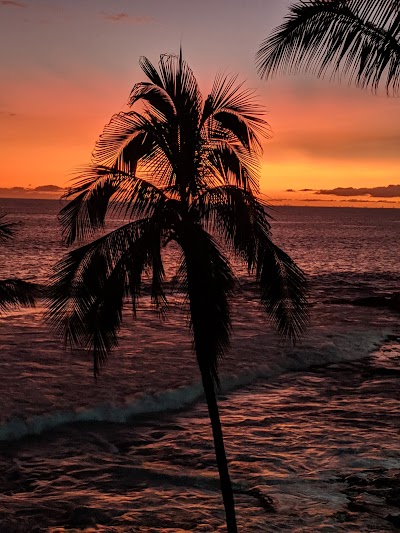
(87, 516)
(342, 517)
(357, 507)
(388, 301)
(393, 519)
(393, 498)
(391, 301)
(356, 480)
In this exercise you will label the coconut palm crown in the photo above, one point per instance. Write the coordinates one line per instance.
(180, 169)
(14, 292)
(354, 39)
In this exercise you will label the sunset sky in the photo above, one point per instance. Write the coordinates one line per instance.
(67, 66)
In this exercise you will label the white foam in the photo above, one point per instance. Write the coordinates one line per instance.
(317, 351)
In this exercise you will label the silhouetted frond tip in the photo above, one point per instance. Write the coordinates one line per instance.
(354, 39)
(89, 286)
(7, 229)
(15, 293)
(283, 289)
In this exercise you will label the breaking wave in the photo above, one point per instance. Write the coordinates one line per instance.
(334, 349)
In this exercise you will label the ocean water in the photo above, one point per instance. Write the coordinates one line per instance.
(311, 432)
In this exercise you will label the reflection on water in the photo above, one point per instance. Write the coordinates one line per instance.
(322, 444)
(301, 440)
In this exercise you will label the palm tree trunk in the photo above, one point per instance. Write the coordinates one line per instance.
(226, 485)
(201, 280)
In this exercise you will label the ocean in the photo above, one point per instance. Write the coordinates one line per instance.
(311, 431)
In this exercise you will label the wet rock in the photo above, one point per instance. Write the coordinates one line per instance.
(393, 498)
(389, 301)
(356, 480)
(394, 519)
(87, 516)
(357, 507)
(342, 517)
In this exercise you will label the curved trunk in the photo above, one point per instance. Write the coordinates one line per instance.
(226, 486)
(208, 285)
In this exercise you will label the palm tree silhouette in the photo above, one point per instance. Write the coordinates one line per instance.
(356, 39)
(181, 169)
(14, 292)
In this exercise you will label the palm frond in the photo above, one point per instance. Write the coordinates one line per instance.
(128, 131)
(86, 212)
(7, 229)
(208, 282)
(181, 84)
(156, 97)
(234, 123)
(283, 288)
(237, 216)
(175, 79)
(230, 164)
(357, 39)
(228, 96)
(16, 292)
(240, 218)
(89, 286)
(94, 189)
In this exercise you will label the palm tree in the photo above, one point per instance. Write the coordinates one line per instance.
(14, 292)
(181, 169)
(356, 39)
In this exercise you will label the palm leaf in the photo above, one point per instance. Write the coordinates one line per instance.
(94, 189)
(89, 286)
(357, 39)
(126, 130)
(234, 214)
(208, 282)
(156, 97)
(228, 96)
(283, 289)
(242, 221)
(7, 229)
(228, 163)
(15, 293)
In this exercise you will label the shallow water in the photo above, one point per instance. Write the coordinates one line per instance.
(295, 441)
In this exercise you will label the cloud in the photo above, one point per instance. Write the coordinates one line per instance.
(42, 191)
(11, 3)
(391, 191)
(125, 17)
(358, 201)
(48, 188)
(300, 190)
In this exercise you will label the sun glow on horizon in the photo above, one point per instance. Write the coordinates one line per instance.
(55, 102)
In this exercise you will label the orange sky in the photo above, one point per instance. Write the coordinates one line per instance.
(73, 64)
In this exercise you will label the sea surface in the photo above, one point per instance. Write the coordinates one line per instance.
(311, 431)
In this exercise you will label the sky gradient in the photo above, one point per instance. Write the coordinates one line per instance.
(68, 66)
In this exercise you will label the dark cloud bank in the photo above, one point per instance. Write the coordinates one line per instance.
(390, 191)
(43, 191)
